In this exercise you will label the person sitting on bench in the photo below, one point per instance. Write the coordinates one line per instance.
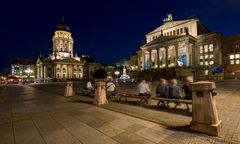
(143, 89)
(186, 88)
(162, 89)
(89, 86)
(174, 90)
(110, 86)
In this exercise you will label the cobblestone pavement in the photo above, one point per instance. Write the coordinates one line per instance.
(41, 114)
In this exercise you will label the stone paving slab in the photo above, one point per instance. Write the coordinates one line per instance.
(6, 133)
(48, 117)
(25, 132)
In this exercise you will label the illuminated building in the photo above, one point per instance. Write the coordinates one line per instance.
(90, 66)
(62, 63)
(231, 52)
(179, 48)
(23, 68)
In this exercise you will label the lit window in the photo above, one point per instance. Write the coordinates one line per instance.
(201, 57)
(206, 56)
(205, 48)
(211, 47)
(231, 56)
(237, 61)
(211, 56)
(232, 62)
(206, 72)
(237, 55)
(201, 63)
(206, 63)
(211, 62)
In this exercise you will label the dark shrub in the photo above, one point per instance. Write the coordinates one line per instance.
(100, 74)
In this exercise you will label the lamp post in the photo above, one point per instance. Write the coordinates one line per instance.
(28, 72)
(117, 73)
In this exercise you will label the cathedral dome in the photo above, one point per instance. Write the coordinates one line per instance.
(62, 26)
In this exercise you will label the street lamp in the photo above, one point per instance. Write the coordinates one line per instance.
(28, 72)
(117, 73)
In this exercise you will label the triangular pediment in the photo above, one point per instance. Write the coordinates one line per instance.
(170, 24)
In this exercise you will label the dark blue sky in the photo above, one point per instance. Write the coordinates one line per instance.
(107, 30)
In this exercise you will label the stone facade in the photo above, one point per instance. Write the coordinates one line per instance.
(61, 64)
(187, 47)
(231, 56)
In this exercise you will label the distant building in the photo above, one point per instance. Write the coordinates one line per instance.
(90, 66)
(179, 48)
(231, 56)
(134, 62)
(23, 68)
(62, 63)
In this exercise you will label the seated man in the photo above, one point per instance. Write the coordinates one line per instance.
(186, 88)
(143, 89)
(89, 86)
(110, 86)
(162, 89)
(174, 90)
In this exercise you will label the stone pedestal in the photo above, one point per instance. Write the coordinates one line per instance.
(100, 93)
(204, 112)
(69, 89)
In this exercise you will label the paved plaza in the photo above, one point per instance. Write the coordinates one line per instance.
(39, 113)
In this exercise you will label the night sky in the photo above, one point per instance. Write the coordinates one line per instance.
(106, 30)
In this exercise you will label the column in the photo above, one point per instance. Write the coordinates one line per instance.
(44, 71)
(54, 71)
(166, 49)
(67, 71)
(143, 63)
(41, 71)
(176, 51)
(187, 54)
(150, 58)
(37, 71)
(157, 57)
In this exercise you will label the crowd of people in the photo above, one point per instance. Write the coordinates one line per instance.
(171, 89)
(110, 86)
(166, 89)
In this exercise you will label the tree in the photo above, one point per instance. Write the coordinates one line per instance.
(100, 74)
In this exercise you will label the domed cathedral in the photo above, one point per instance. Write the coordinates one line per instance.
(62, 63)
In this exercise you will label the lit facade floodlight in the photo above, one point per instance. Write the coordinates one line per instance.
(29, 72)
(116, 73)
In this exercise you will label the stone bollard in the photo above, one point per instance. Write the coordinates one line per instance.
(100, 93)
(204, 112)
(69, 89)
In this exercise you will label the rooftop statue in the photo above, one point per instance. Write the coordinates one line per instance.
(169, 18)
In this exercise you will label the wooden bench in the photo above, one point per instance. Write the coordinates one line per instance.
(164, 102)
(112, 95)
(126, 96)
(88, 92)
